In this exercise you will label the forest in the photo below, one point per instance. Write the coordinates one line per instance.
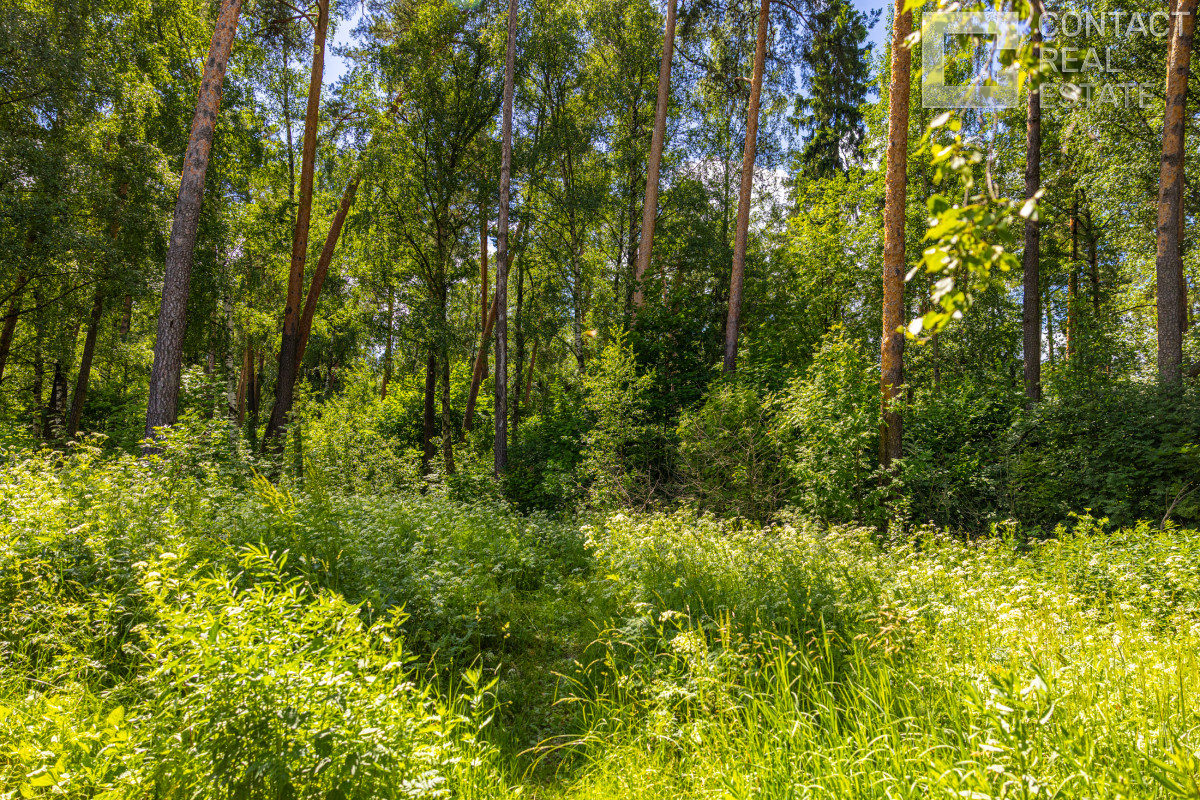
(607, 399)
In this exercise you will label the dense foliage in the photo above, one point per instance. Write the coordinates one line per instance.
(179, 627)
(476, 399)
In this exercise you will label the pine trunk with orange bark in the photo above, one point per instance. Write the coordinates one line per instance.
(741, 232)
(895, 197)
(289, 345)
(1168, 265)
(650, 206)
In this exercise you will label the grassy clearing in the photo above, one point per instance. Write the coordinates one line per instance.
(181, 628)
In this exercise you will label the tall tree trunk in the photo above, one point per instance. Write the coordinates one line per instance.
(1183, 300)
(231, 371)
(1168, 266)
(1031, 310)
(10, 323)
(500, 444)
(58, 401)
(447, 423)
(289, 345)
(85, 365)
(1093, 264)
(483, 281)
(1049, 325)
(1073, 282)
(244, 381)
(318, 278)
(254, 399)
(39, 363)
(428, 431)
(479, 371)
(892, 348)
(631, 216)
(519, 366)
(480, 368)
(737, 274)
(650, 206)
(126, 317)
(387, 352)
(1184, 308)
(162, 405)
(529, 380)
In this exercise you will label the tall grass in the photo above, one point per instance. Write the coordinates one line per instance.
(182, 627)
(1064, 669)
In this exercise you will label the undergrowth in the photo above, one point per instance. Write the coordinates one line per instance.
(180, 626)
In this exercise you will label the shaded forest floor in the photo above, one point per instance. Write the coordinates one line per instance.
(182, 627)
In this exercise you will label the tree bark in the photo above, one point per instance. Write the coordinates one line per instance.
(737, 274)
(529, 380)
(447, 433)
(387, 352)
(126, 317)
(244, 381)
(39, 362)
(1183, 314)
(1031, 308)
(480, 368)
(254, 399)
(162, 404)
(650, 205)
(1168, 266)
(519, 365)
(895, 198)
(289, 345)
(483, 282)
(479, 371)
(1093, 263)
(53, 417)
(10, 323)
(500, 444)
(85, 365)
(1073, 282)
(318, 278)
(428, 448)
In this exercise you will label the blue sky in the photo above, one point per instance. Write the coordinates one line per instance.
(336, 67)
(878, 33)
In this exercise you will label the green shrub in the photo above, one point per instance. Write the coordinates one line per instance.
(358, 442)
(729, 456)
(954, 470)
(263, 686)
(1126, 451)
(618, 448)
(544, 460)
(829, 424)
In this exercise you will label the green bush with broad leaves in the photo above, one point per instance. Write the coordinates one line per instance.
(729, 454)
(829, 424)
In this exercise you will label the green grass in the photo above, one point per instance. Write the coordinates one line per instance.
(183, 628)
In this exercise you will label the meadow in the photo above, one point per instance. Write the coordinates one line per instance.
(179, 626)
